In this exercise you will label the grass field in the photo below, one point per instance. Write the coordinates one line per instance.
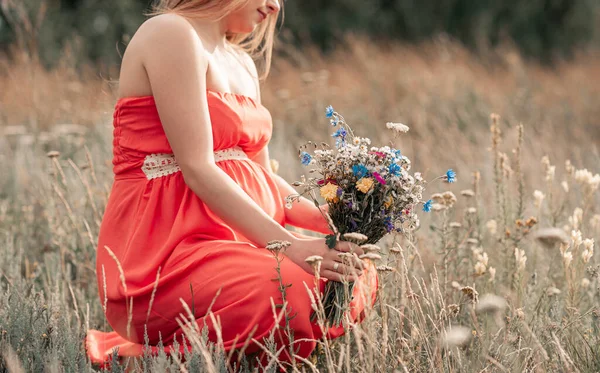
(472, 290)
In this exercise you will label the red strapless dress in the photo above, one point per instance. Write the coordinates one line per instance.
(170, 245)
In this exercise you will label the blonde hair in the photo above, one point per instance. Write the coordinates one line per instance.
(258, 44)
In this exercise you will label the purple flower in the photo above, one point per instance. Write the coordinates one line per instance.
(389, 225)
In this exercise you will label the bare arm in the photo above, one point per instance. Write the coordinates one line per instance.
(176, 64)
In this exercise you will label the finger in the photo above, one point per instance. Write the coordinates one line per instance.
(354, 261)
(359, 264)
(335, 276)
(343, 268)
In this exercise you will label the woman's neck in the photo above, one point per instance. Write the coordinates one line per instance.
(214, 32)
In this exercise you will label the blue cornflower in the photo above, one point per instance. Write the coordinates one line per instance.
(359, 171)
(340, 136)
(334, 121)
(427, 206)
(450, 176)
(395, 169)
(305, 158)
(329, 111)
(397, 153)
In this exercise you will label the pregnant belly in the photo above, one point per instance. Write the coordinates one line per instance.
(258, 183)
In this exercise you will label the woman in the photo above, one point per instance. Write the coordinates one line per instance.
(194, 201)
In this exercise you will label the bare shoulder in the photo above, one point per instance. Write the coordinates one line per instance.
(160, 43)
(167, 31)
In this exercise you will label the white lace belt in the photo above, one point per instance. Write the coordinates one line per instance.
(162, 164)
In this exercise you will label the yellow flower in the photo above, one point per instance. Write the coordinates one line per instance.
(388, 202)
(329, 192)
(364, 184)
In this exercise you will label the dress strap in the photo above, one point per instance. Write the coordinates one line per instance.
(164, 164)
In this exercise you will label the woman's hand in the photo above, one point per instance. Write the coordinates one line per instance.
(336, 267)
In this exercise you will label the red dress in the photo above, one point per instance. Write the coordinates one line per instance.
(169, 244)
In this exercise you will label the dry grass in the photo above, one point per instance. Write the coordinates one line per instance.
(436, 308)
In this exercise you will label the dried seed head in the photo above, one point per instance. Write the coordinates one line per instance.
(492, 272)
(467, 193)
(396, 249)
(586, 255)
(576, 237)
(371, 256)
(368, 248)
(491, 303)
(437, 207)
(480, 269)
(456, 336)
(315, 263)
(453, 310)
(585, 283)
(567, 258)
(552, 291)
(520, 259)
(437, 198)
(449, 199)
(519, 314)
(276, 246)
(531, 222)
(539, 198)
(52, 154)
(355, 237)
(471, 293)
(385, 268)
(314, 259)
(549, 237)
(594, 272)
(346, 256)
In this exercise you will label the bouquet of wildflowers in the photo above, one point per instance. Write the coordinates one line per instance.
(369, 191)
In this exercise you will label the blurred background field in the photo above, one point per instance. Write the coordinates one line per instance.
(441, 67)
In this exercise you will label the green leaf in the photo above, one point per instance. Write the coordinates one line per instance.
(331, 240)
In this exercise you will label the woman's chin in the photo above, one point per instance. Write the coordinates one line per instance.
(245, 28)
